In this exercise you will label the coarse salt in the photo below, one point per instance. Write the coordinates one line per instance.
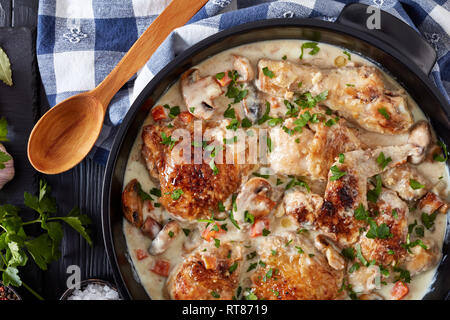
(94, 291)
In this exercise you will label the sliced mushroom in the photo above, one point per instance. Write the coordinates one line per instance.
(420, 136)
(164, 238)
(255, 197)
(243, 66)
(151, 228)
(252, 104)
(192, 242)
(324, 245)
(364, 279)
(431, 202)
(421, 259)
(199, 93)
(132, 203)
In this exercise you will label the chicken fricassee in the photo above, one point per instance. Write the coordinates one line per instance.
(285, 170)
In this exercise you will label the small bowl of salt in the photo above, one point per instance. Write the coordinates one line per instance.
(92, 289)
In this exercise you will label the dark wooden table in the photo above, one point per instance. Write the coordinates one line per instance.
(80, 187)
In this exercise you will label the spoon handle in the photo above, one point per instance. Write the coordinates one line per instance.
(176, 14)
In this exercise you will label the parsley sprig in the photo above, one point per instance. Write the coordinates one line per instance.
(16, 246)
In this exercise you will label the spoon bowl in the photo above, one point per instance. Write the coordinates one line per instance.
(65, 135)
(67, 132)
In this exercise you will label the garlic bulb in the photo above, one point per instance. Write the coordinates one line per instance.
(7, 173)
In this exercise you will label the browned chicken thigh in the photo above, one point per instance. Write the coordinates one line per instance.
(357, 93)
(189, 191)
(205, 274)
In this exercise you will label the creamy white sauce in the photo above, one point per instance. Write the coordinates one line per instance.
(136, 169)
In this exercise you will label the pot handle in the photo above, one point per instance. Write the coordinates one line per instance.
(390, 30)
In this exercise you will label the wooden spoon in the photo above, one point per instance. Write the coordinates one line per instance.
(68, 131)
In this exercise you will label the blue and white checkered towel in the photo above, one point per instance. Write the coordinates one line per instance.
(80, 41)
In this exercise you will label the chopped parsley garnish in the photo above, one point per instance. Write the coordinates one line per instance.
(373, 194)
(310, 45)
(275, 121)
(395, 213)
(307, 101)
(142, 194)
(382, 160)
(234, 125)
(259, 175)
(331, 122)
(428, 219)
(268, 73)
(174, 111)
(288, 243)
(176, 194)
(381, 232)
(284, 57)
(361, 213)
(252, 266)
(186, 231)
(414, 184)
(410, 245)
(269, 144)
(246, 123)
(412, 226)
(265, 116)
(348, 253)
(230, 141)
(354, 267)
(233, 208)
(233, 267)
(167, 140)
(171, 234)
(420, 231)
(299, 250)
(384, 113)
(229, 113)
(156, 192)
(444, 156)
(337, 174)
(220, 206)
(404, 275)
(220, 75)
(233, 91)
(250, 295)
(341, 158)
(348, 55)
(248, 217)
(268, 275)
(251, 255)
(297, 182)
(274, 252)
(360, 256)
(213, 167)
(217, 243)
(265, 232)
(350, 85)
(215, 294)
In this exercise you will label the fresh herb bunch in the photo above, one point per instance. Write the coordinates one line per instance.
(16, 246)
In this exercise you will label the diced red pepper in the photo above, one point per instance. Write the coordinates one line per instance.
(400, 290)
(141, 254)
(258, 227)
(211, 231)
(158, 113)
(225, 80)
(186, 117)
(161, 267)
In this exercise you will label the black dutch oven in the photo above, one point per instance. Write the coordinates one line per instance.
(396, 48)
